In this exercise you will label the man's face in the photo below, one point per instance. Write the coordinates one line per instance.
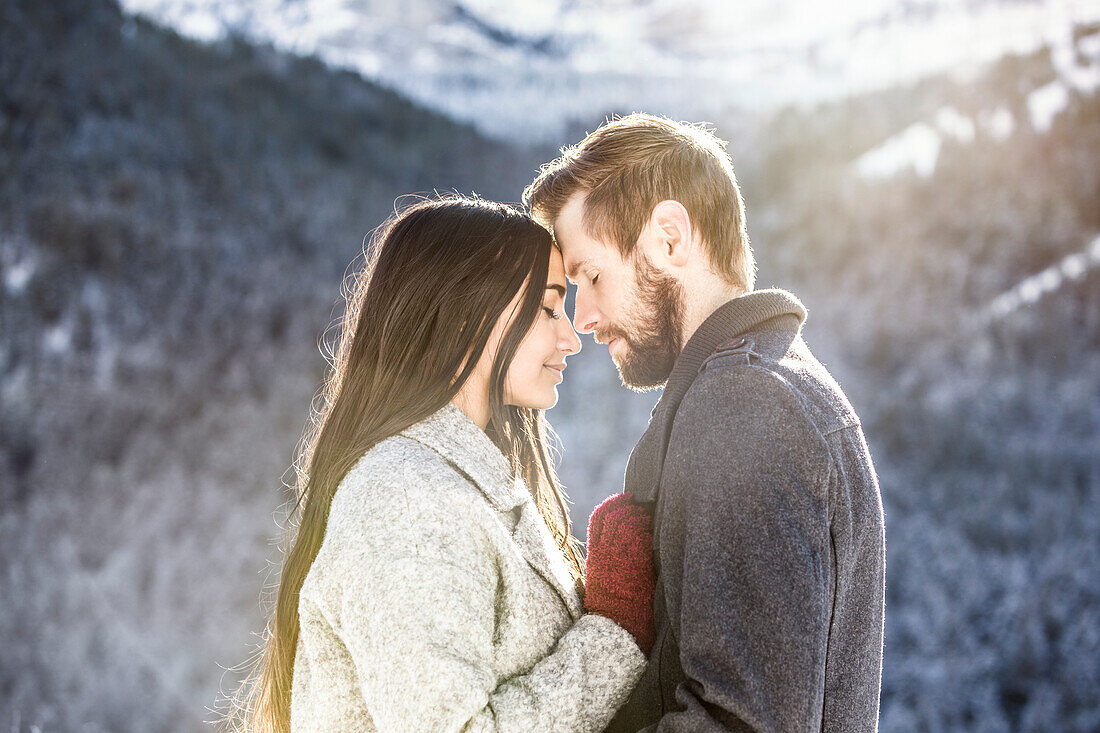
(630, 305)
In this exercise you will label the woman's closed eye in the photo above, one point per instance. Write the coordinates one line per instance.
(552, 313)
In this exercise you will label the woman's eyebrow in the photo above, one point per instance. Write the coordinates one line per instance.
(559, 288)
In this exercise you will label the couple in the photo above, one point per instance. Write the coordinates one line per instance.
(434, 584)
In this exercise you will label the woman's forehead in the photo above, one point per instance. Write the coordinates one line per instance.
(555, 275)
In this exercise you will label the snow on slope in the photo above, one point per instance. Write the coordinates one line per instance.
(917, 147)
(524, 68)
(1072, 267)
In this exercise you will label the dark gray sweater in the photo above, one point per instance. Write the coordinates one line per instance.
(768, 537)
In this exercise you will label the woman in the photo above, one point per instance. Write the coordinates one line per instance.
(432, 583)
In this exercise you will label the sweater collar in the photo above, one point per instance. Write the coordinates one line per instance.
(459, 441)
(770, 309)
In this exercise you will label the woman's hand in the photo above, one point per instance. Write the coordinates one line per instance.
(619, 580)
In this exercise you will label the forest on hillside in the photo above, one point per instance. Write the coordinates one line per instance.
(175, 222)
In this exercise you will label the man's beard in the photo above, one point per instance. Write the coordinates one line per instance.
(657, 337)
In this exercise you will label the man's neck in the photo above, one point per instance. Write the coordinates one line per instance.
(702, 303)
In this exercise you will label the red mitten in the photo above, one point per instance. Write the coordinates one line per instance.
(619, 579)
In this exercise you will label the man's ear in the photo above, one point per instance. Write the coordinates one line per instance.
(673, 234)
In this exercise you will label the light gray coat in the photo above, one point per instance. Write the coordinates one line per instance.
(439, 602)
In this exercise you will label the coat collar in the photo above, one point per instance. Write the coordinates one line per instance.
(465, 446)
(753, 311)
(760, 310)
(459, 441)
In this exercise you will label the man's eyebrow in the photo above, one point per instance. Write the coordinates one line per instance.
(560, 289)
(576, 267)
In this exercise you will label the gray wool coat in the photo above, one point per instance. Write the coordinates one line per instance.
(768, 533)
(440, 602)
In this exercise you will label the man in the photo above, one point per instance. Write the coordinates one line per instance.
(768, 529)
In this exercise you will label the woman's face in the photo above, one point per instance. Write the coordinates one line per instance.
(533, 376)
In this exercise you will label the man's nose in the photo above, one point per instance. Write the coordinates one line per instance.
(585, 316)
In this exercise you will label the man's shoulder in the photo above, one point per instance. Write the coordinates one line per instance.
(737, 393)
(740, 422)
(775, 369)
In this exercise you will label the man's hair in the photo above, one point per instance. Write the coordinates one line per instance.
(629, 165)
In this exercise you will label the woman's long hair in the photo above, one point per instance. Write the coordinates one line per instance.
(436, 280)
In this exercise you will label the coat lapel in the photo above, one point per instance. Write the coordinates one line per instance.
(538, 548)
(459, 441)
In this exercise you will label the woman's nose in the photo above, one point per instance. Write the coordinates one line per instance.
(568, 341)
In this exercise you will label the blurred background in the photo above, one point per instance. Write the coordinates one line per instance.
(184, 182)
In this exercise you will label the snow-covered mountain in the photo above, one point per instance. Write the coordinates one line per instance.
(524, 69)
